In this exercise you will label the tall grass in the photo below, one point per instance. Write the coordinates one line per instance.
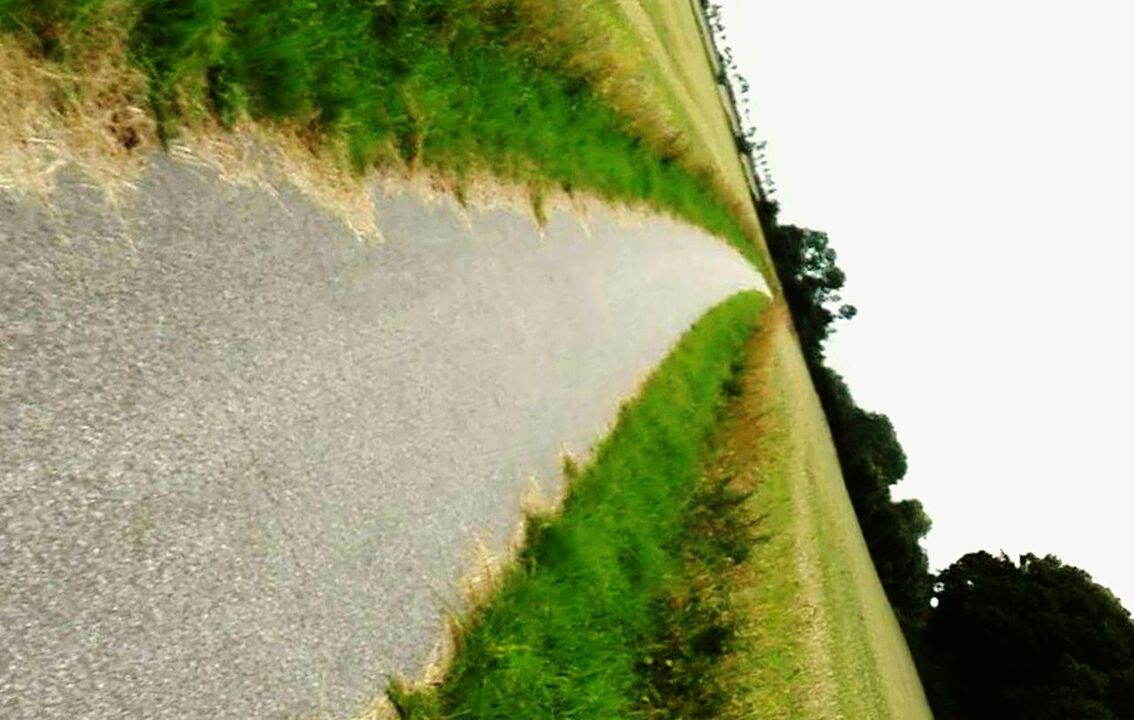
(456, 85)
(597, 618)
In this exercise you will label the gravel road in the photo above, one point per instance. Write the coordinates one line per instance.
(245, 454)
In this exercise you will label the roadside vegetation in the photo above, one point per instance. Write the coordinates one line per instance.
(708, 562)
(601, 615)
(542, 94)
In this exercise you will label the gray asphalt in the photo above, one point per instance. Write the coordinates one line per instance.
(244, 453)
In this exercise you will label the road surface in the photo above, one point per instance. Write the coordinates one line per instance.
(245, 454)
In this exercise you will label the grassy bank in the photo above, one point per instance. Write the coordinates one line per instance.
(816, 637)
(673, 41)
(527, 91)
(583, 624)
(707, 564)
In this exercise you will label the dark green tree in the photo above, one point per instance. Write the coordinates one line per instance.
(1037, 640)
(811, 280)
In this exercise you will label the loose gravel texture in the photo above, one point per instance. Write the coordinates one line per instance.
(245, 454)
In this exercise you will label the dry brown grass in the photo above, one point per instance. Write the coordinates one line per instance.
(681, 65)
(817, 638)
(94, 121)
(677, 61)
(97, 123)
(780, 667)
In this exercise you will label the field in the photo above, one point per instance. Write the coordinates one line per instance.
(819, 638)
(673, 41)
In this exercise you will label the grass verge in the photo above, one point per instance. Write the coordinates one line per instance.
(523, 89)
(707, 564)
(583, 623)
(816, 637)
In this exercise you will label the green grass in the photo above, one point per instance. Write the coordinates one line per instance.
(596, 619)
(457, 85)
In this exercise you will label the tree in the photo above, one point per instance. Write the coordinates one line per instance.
(811, 279)
(1037, 640)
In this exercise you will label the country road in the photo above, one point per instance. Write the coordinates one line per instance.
(244, 455)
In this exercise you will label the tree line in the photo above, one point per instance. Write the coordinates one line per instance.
(737, 85)
(1032, 639)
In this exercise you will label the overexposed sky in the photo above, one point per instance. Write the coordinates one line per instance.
(971, 161)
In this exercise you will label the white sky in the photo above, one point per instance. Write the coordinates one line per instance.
(971, 162)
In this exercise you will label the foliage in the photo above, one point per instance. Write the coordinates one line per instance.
(811, 279)
(600, 617)
(1038, 640)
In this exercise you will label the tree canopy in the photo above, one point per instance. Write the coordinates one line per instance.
(1036, 639)
(812, 283)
